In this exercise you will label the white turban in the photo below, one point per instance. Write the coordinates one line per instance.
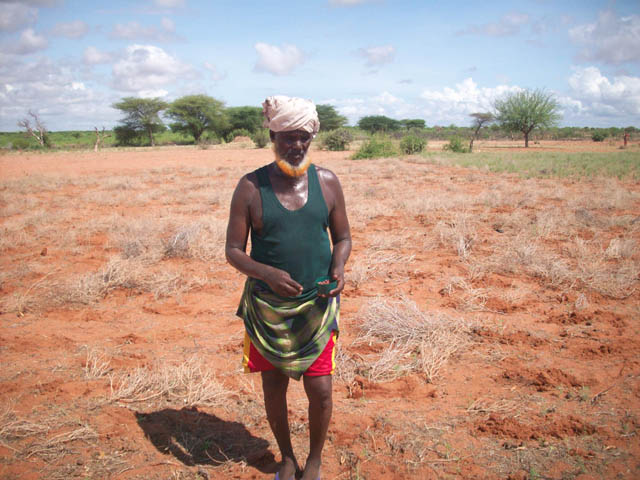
(284, 114)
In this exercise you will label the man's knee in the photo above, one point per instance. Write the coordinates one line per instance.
(274, 382)
(319, 391)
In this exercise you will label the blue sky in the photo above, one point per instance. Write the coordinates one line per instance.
(69, 61)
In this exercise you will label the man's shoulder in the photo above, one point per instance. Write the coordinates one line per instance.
(326, 174)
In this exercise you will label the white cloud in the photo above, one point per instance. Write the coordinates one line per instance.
(611, 39)
(55, 92)
(134, 30)
(278, 60)
(93, 56)
(146, 69)
(508, 24)
(75, 29)
(454, 105)
(29, 42)
(14, 16)
(216, 75)
(378, 55)
(597, 95)
(169, 3)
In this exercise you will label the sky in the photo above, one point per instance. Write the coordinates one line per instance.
(69, 61)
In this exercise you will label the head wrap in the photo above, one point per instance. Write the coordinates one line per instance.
(284, 114)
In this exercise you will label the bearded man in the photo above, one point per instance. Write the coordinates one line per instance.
(291, 328)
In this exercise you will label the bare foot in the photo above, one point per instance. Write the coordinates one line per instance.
(288, 468)
(312, 469)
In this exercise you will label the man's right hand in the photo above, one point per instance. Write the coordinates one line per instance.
(281, 283)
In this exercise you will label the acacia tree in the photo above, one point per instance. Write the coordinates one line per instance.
(378, 123)
(479, 120)
(527, 110)
(409, 123)
(248, 118)
(142, 118)
(196, 114)
(329, 118)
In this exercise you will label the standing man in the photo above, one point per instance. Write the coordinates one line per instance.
(287, 207)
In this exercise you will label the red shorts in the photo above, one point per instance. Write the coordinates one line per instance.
(253, 361)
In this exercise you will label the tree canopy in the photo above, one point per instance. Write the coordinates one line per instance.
(409, 123)
(527, 110)
(248, 118)
(479, 120)
(329, 118)
(196, 114)
(378, 123)
(142, 118)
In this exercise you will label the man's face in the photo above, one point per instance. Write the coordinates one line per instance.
(292, 146)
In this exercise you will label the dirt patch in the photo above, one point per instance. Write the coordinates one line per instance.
(542, 428)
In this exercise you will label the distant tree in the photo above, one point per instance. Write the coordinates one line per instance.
(249, 118)
(409, 123)
(378, 123)
(195, 114)
(479, 120)
(38, 131)
(527, 110)
(142, 118)
(329, 118)
(100, 136)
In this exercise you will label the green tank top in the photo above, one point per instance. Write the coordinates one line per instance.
(295, 241)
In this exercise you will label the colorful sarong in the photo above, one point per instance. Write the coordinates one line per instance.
(288, 332)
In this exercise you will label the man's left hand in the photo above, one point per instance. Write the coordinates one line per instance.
(337, 274)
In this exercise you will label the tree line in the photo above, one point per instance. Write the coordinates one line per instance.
(198, 116)
(205, 119)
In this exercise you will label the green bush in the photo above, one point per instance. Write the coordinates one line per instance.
(598, 136)
(21, 144)
(376, 147)
(337, 140)
(455, 145)
(207, 139)
(411, 144)
(261, 137)
(238, 132)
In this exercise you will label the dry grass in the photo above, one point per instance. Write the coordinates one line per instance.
(413, 340)
(12, 428)
(58, 446)
(468, 299)
(459, 233)
(375, 264)
(97, 363)
(51, 292)
(187, 383)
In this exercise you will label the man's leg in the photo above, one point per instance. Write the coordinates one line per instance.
(274, 387)
(319, 393)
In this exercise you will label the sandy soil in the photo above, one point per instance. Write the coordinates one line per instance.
(120, 350)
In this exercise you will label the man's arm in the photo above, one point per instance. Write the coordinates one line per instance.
(237, 233)
(339, 227)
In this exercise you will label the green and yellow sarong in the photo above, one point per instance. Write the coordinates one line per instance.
(288, 332)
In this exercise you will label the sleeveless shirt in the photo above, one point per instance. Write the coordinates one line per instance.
(295, 241)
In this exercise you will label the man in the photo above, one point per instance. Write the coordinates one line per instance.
(287, 207)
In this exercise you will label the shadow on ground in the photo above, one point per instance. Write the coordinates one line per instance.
(197, 438)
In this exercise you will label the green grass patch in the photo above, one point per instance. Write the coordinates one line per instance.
(83, 140)
(623, 164)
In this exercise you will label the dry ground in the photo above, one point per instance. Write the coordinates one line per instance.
(489, 327)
